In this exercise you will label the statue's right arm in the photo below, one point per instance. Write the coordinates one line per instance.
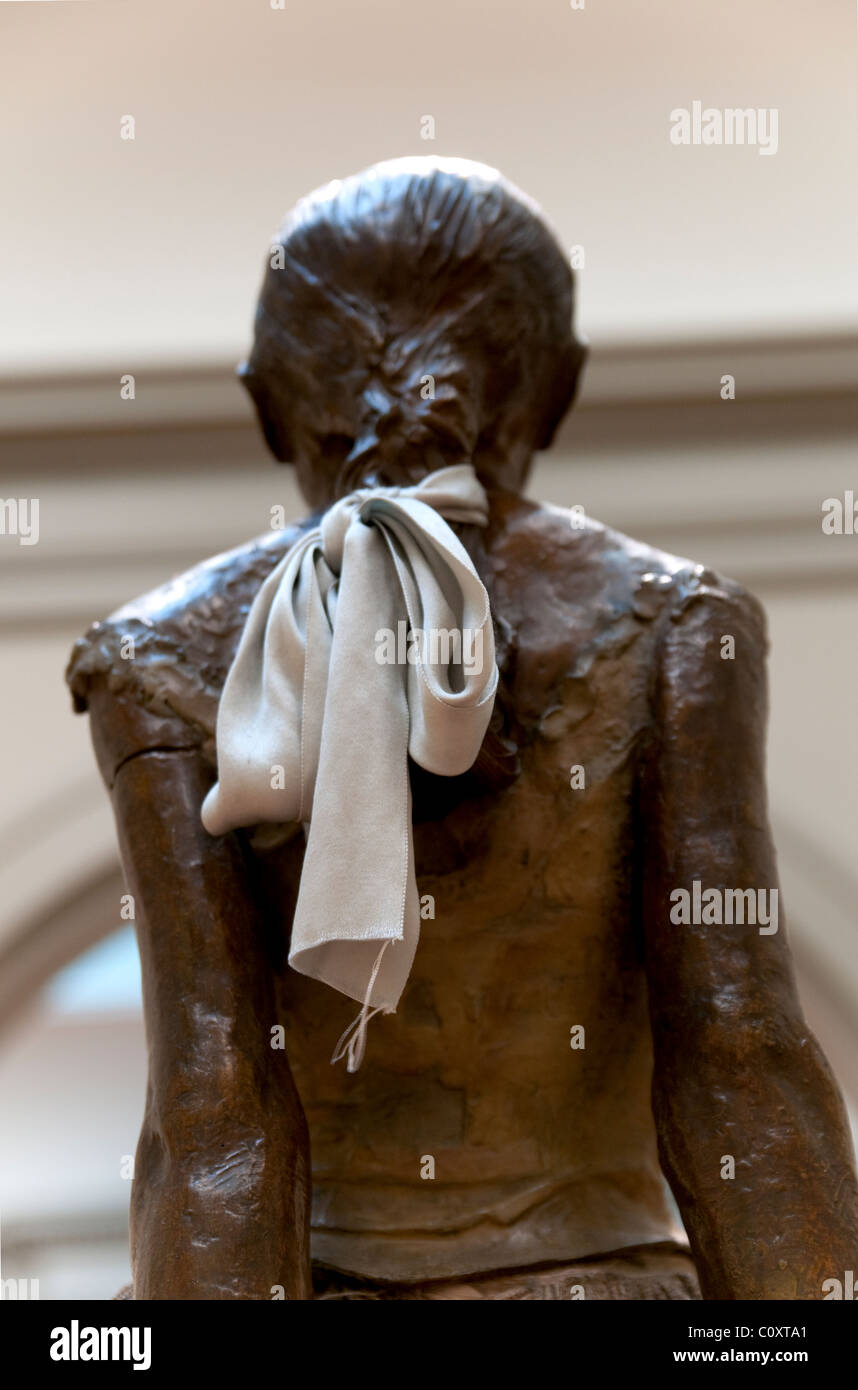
(220, 1204)
(753, 1133)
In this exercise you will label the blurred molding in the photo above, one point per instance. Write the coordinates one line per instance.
(165, 395)
(738, 486)
(133, 492)
(24, 1240)
(764, 368)
(617, 375)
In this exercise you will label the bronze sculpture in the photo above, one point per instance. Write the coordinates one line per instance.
(565, 1035)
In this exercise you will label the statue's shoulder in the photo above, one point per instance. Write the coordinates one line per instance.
(560, 571)
(575, 592)
(170, 649)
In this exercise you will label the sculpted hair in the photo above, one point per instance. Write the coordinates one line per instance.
(431, 296)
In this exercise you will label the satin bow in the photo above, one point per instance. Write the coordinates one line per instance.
(371, 640)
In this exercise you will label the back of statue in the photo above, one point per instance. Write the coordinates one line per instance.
(414, 785)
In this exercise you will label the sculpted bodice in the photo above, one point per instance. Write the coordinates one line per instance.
(564, 1038)
(520, 1059)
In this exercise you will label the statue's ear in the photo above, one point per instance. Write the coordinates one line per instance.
(567, 376)
(269, 418)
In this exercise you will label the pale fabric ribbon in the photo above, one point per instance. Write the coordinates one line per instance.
(315, 726)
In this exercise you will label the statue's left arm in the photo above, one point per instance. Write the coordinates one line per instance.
(737, 1074)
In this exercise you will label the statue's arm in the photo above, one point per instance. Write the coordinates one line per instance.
(220, 1203)
(737, 1072)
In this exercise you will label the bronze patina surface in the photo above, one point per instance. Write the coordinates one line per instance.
(552, 898)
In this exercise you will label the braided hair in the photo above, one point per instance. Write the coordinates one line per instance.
(423, 307)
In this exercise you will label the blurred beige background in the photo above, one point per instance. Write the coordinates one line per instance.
(144, 257)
